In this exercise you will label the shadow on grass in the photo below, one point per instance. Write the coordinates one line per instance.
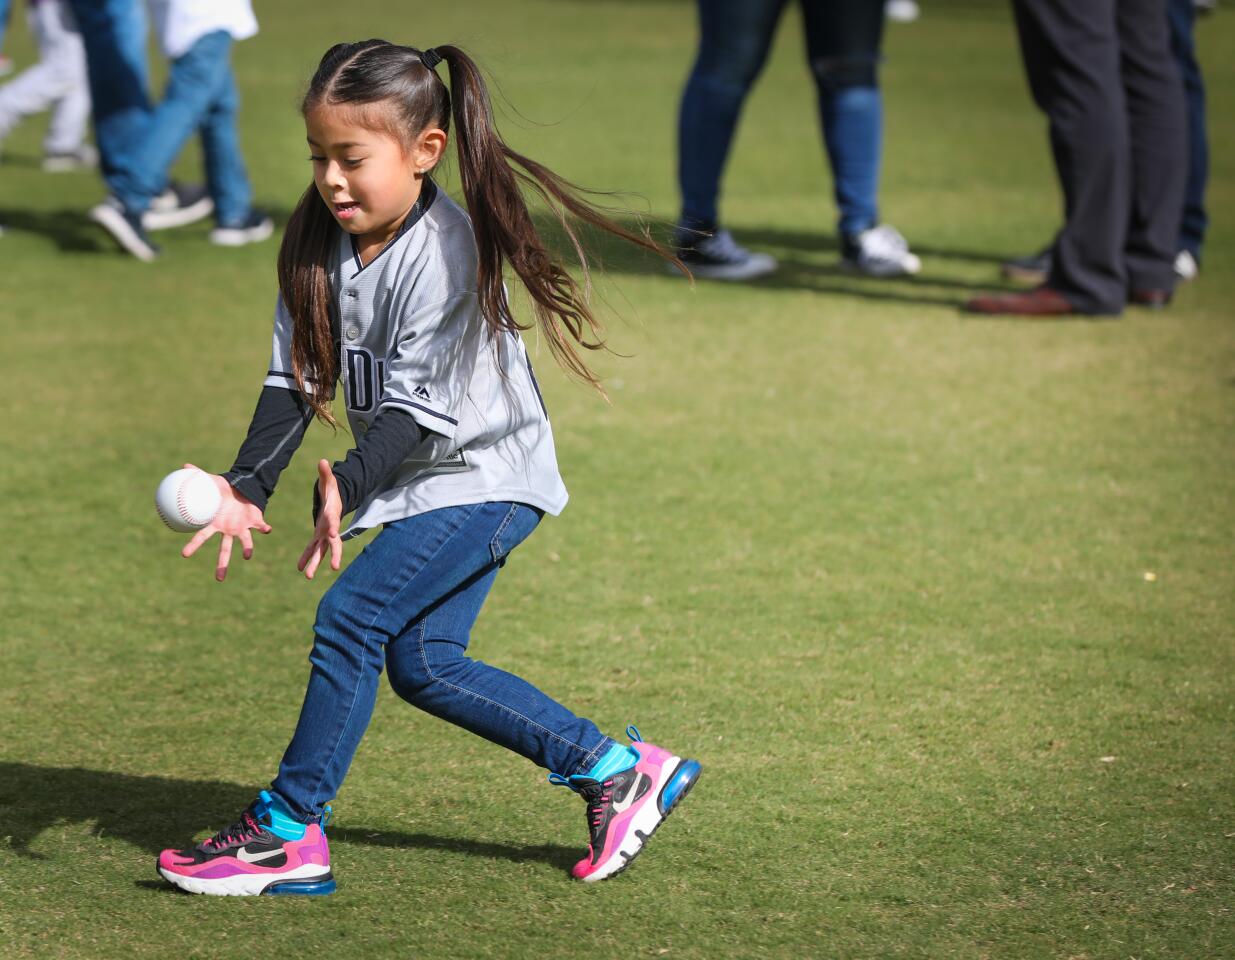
(155, 812)
(71, 230)
(798, 252)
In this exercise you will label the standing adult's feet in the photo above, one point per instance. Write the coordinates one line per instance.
(1039, 302)
(715, 255)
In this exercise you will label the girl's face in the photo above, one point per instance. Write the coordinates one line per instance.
(367, 178)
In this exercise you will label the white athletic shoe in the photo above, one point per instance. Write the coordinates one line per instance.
(126, 229)
(255, 228)
(880, 252)
(902, 11)
(717, 256)
(178, 206)
(84, 157)
(1186, 267)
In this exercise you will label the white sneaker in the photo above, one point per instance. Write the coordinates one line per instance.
(902, 11)
(880, 252)
(717, 256)
(253, 229)
(126, 228)
(178, 206)
(84, 157)
(1186, 267)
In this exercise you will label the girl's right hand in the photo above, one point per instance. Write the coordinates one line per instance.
(236, 517)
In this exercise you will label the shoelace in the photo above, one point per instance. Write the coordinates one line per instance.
(239, 832)
(598, 798)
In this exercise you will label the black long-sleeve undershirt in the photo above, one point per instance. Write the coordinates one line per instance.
(277, 429)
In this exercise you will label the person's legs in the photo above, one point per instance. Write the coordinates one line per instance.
(114, 35)
(1154, 92)
(1182, 15)
(428, 667)
(1072, 59)
(440, 561)
(225, 171)
(64, 50)
(734, 39)
(35, 89)
(843, 39)
(194, 84)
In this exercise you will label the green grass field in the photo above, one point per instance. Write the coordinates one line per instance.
(944, 606)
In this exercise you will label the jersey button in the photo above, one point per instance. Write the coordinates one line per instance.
(353, 294)
(353, 333)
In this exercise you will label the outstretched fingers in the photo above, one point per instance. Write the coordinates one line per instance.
(202, 535)
(225, 557)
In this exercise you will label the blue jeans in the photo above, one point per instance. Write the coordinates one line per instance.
(201, 97)
(4, 21)
(114, 33)
(410, 600)
(843, 39)
(1182, 15)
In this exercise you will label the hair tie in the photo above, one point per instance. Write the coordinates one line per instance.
(430, 58)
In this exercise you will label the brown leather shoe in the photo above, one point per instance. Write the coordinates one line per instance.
(1039, 302)
(1153, 299)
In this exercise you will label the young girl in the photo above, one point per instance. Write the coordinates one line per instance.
(388, 289)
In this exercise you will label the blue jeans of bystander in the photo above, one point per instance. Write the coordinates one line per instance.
(843, 39)
(201, 97)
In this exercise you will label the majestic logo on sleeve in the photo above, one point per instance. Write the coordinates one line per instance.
(421, 392)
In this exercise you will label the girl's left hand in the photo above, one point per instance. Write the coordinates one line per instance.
(326, 533)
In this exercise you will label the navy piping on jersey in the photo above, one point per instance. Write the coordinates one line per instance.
(428, 193)
(536, 387)
(432, 413)
(280, 373)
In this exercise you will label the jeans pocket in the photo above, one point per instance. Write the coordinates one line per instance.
(520, 520)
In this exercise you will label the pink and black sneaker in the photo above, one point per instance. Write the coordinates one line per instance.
(266, 851)
(629, 792)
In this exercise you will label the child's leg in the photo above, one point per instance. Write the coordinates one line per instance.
(408, 570)
(42, 85)
(192, 87)
(225, 171)
(64, 49)
(428, 667)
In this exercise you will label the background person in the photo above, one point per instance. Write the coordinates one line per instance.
(6, 65)
(57, 82)
(1182, 16)
(843, 50)
(201, 97)
(1103, 74)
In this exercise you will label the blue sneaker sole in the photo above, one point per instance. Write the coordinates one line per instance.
(321, 887)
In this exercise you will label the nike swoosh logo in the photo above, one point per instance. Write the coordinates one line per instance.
(624, 804)
(246, 857)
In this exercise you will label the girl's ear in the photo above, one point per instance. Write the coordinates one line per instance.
(428, 149)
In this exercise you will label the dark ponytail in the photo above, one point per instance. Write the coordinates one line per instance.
(411, 96)
(493, 176)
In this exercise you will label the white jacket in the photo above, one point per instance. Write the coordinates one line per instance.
(179, 24)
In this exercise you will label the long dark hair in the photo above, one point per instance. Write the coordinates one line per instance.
(409, 97)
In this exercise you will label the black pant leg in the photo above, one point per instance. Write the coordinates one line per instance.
(1158, 124)
(1072, 59)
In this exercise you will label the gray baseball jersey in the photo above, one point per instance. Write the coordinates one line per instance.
(411, 335)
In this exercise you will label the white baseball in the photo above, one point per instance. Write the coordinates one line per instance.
(187, 499)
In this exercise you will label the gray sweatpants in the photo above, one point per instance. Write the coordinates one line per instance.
(57, 81)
